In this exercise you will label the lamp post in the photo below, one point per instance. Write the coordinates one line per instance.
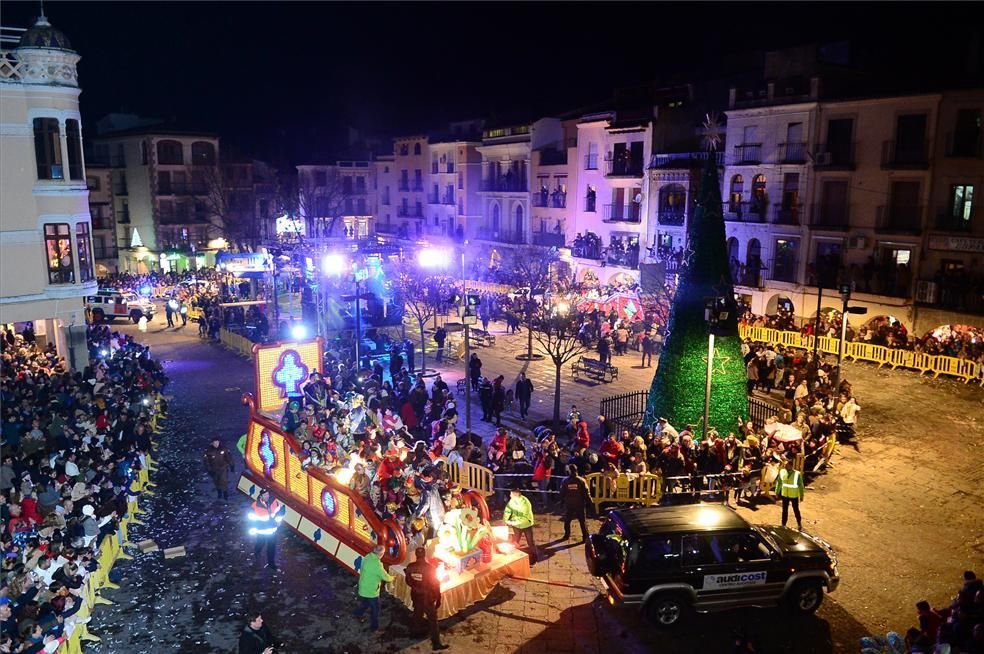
(845, 294)
(715, 313)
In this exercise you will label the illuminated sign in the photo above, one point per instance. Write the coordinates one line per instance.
(237, 264)
(281, 370)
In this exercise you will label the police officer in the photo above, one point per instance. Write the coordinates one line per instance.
(169, 308)
(575, 497)
(789, 486)
(218, 462)
(425, 590)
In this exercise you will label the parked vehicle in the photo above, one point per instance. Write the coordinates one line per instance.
(704, 557)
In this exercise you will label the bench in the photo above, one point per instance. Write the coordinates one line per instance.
(594, 369)
(481, 337)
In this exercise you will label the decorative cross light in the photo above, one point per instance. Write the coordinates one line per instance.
(289, 373)
(267, 455)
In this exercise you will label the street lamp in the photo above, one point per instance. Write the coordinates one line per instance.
(845, 294)
(716, 314)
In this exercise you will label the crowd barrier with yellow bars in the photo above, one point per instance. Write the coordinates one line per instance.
(195, 313)
(110, 551)
(964, 369)
(471, 476)
(235, 342)
(645, 489)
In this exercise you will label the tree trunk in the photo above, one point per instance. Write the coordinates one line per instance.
(529, 335)
(423, 350)
(556, 412)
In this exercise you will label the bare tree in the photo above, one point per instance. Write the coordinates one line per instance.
(321, 201)
(533, 269)
(555, 330)
(422, 299)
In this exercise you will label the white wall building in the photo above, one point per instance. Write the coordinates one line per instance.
(46, 261)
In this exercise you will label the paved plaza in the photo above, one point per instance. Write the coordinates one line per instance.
(903, 511)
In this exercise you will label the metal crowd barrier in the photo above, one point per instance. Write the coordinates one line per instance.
(964, 369)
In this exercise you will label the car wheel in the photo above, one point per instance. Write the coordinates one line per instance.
(666, 611)
(805, 597)
(135, 316)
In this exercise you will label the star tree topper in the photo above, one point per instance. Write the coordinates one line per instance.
(712, 131)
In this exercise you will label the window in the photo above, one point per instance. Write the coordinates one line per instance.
(47, 149)
(360, 184)
(655, 553)
(716, 549)
(92, 183)
(347, 185)
(84, 247)
(169, 153)
(416, 148)
(320, 178)
(784, 263)
(737, 192)
(404, 150)
(962, 202)
(74, 137)
(202, 153)
(967, 134)
(58, 249)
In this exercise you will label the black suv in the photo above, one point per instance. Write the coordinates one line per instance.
(706, 557)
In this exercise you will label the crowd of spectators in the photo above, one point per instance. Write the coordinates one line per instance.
(73, 443)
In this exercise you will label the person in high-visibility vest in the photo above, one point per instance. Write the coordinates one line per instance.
(789, 486)
(266, 515)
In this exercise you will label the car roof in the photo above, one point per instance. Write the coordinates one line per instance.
(675, 519)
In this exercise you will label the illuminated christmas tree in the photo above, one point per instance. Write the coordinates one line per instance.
(677, 392)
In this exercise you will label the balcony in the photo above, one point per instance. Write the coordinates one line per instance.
(783, 270)
(449, 167)
(548, 239)
(747, 153)
(448, 198)
(433, 198)
(622, 213)
(968, 148)
(832, 217)
(504, 185)
(682, 160)
(628, 258)
(591, 162)
(786, 215)
(404, 185)
(434, 168)
(545, 200)
(673, 216)
(418, 186)
(791, 153)
(745, 212)
(946, 221)
(625, 167)
(899, 219)
(403, 212)
(906, 157)
(589, 250)
(500, 236)
(835, 156)
(124, 216)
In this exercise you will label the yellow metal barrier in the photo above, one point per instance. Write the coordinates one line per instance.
(471, 476)
(627, 488)
(195, 313)
(240, 344)
(964, 369)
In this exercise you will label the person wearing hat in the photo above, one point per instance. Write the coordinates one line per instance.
(292, 417)
(218, 463)
(789, 487)
(425, 590)
(266, 515)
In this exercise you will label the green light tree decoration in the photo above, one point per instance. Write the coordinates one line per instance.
(677, 391)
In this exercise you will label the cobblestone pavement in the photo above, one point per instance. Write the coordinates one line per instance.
(904, 511)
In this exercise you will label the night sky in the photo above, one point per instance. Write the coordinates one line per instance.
(283, 81)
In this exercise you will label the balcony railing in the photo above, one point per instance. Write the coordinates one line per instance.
(501, 236)
(591, 162)
(587, 251)
(948, 222)
(434, 168)
(548, 239)
(447, 198)
(837, 216)
(899, 219)
(418, 186)
(622, 213)
(745, 212)
(783, 270)
(679, 160)
(910, 156)
(504, 185)
(791, 153)
(835, 156)
(555, 200)
(623, 167)
(404, 185)
(590, 204)
(628, 258)
(748, 153)
(963, 149)
(786, 215)
(433, 198)
(674, 216)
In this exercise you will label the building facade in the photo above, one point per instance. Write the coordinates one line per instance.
(105, 248)
(46, 236)
(338, 201)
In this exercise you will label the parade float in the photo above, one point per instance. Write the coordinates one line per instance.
(471, 555)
